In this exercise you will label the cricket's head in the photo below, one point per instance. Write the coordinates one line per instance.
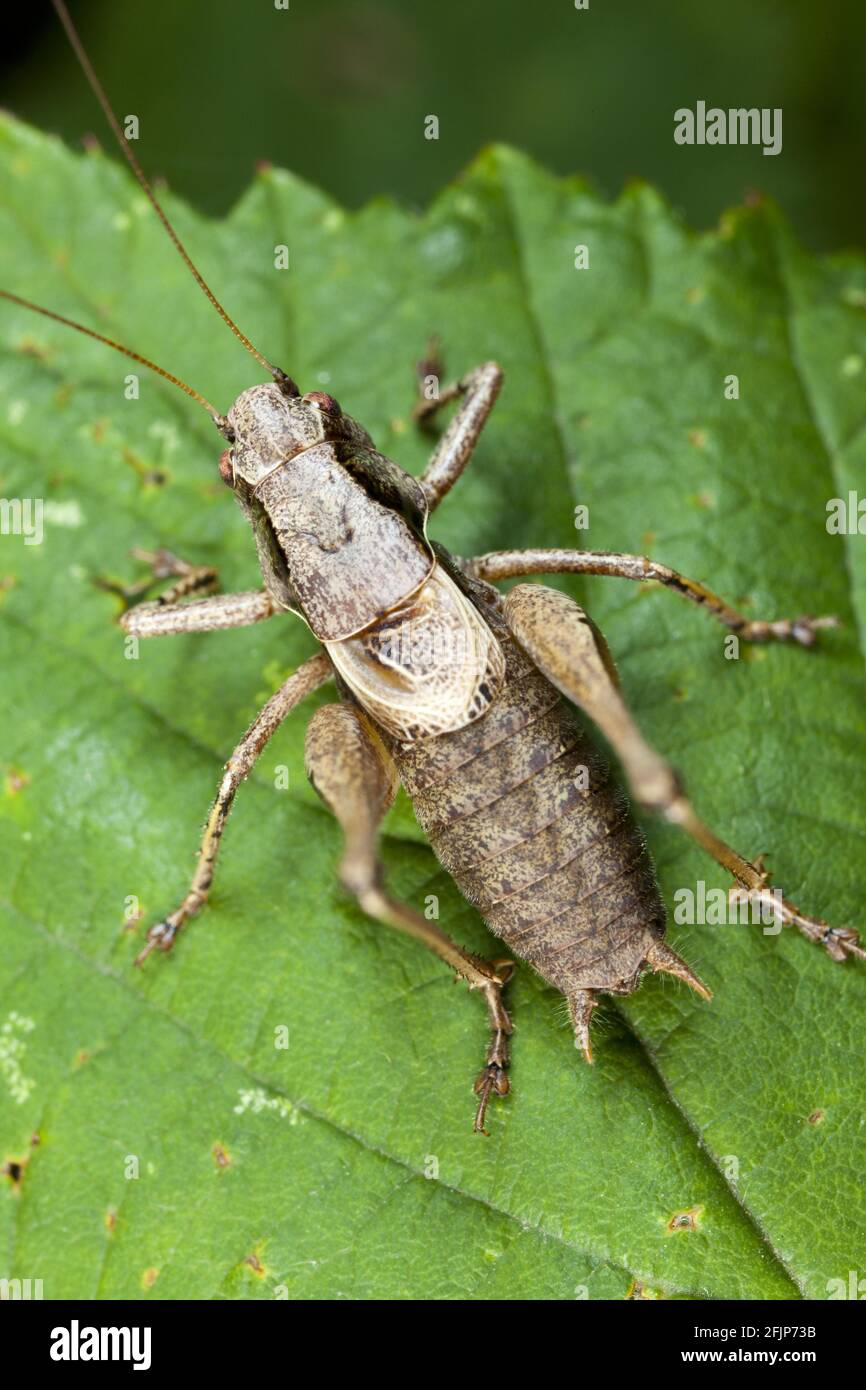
(269, 425)
(340, 529)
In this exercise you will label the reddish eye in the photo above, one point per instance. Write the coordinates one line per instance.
(227, 472)
(322, 401)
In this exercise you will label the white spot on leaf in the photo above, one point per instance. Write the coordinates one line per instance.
(12, 1052)
(256, 1101)
(64, 514)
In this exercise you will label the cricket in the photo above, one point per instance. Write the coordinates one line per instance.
(481, 704)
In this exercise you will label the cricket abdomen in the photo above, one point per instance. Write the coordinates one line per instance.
(521, 809)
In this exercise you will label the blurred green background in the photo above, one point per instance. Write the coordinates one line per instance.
(337, 90)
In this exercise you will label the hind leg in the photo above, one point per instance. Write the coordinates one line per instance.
(350, 768)
(574, 656)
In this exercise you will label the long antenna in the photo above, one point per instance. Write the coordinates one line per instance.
(219, 420)
(99, 92)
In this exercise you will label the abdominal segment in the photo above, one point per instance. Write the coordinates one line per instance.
(521, 809)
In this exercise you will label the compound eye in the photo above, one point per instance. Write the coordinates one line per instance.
(322, 401)
(227, 472)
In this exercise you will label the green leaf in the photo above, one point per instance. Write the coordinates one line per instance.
(344, 1165)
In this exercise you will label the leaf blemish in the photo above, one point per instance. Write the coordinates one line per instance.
(29, 347)
(14, 1169)
(752, 653)
(816, 1117)
(689, 1220)
(639, 1291)
(221, 1155)
(16, 781)
(131, 922)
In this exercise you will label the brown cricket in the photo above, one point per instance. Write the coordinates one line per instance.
(475, 701)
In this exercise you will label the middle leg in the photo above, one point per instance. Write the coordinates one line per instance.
(308, 677)
(508, 564)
